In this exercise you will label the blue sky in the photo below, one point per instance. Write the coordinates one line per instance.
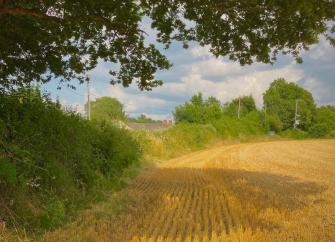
(196, 70)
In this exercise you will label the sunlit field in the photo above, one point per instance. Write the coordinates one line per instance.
(271, 191)
(167, 121)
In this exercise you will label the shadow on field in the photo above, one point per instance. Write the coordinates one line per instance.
(260, 189)
(264, 190)
(236, 197)
(179, 204)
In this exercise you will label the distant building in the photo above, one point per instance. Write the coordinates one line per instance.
(151, 126)
(168, 123)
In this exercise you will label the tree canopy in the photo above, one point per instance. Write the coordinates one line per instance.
(247, 105)
(143, 119)
(63, 39)
(280, 100)
(107, 109)
(198, 110)
(324, 123)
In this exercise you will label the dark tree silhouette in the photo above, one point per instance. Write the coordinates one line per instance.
(44, 39)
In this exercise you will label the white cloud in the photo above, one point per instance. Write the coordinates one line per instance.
(214, 77)
(232, 80)
(134, 102)
(318, 89)
(216, 67)
(199, 51)
(321, 51)
(237, 81)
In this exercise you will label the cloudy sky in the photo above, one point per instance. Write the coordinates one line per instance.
(196, 70)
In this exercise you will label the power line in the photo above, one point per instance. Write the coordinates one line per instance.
(239, 108)
(296, 115)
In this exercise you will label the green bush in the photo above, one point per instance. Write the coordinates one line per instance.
(294, 134)
(249, 125)
(319, 130)
(7, 172)
(198, 110)
(281, 99)
(246, 103)
(273, 123)
(324, 122)
(189, 136)
(53, 215)
(177, 140)
(48, 154)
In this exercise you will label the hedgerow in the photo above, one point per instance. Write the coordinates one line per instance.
(54, 161)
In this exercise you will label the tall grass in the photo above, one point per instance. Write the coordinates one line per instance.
(185, 137)
(177, 140)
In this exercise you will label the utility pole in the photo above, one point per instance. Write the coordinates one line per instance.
(265, 113)
(239, 108)
(296, 121)
(88, 100)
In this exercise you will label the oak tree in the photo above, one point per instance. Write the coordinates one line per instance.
(285, 99)
(63, 39)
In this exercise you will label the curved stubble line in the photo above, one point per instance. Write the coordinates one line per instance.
(272, 191)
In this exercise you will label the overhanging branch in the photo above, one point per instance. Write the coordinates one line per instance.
(38, 14)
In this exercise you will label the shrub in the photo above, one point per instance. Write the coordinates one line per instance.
(7, 172)
(324, 122)
(53, 215)
(294, 134)
(274, 123)
(246, 103)
(281, 99)
(319, 130)
(49, 154)
(249, 125)
(177, 140)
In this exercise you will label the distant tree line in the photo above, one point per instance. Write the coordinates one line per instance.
(111, 110)
(106, 109)
(284, 104)
(143, 119)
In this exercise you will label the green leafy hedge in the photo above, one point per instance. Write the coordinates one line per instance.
(249, 125)
(52, 161)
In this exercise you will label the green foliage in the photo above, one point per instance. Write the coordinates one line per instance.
(294, 134)
(249, 125)
(198, 110)
(143, 119)
(324, 123)
(223, 120)
(273, 123)
(185, 136)
(247, 105)
(280, 100)
(53, 215)
(43, 39)
(65, 39)
(319, 130)
(106, 109)
(7, 172)
(51, 155)
(177, 140)
(193, 136)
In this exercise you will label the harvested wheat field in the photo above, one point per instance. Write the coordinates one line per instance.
(271, 191)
